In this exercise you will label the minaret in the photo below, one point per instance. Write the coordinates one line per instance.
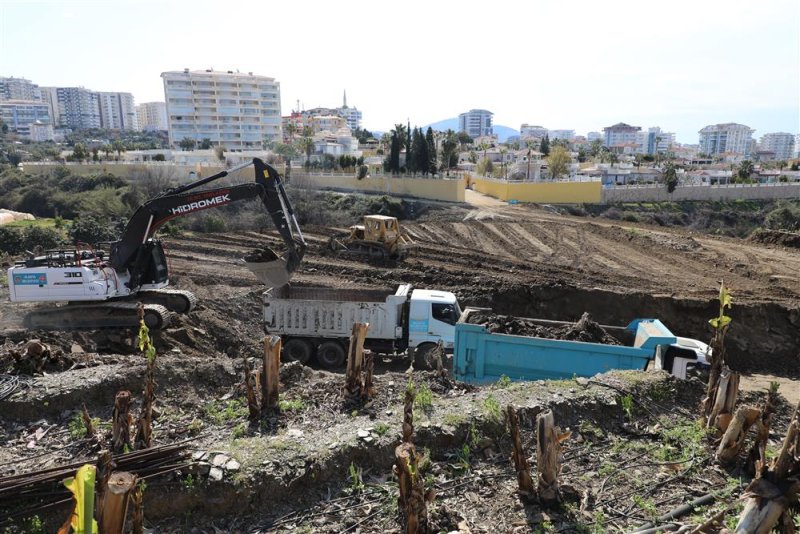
(344, 104)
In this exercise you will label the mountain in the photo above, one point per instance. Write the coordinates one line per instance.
(503, 132)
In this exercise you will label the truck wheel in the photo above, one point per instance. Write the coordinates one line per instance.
(330, 355)
(423, 360)
(297, 350)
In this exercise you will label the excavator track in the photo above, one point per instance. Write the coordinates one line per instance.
(175, 300)
(80, 316)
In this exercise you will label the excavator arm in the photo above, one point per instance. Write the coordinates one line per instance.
(131, 252)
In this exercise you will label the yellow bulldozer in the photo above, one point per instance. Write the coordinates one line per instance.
(378, 238)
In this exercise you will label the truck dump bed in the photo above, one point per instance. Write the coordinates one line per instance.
(330, 313)
(482, 356)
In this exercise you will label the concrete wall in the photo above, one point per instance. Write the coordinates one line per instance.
(659, 193)
(427, 188)
(124, 170)
(540, 192)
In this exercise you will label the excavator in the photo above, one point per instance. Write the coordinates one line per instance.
(110, 285)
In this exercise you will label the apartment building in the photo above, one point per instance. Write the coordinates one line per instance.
(621, 138)
(728, 137)
(117, 111)
(350, 114)
(20, 115)
(152, 116)
(18, 89)
(73, 107)
(526, 131)
(655, 141)
(236, 110)
(780, 143)
(476, 123)
(567, 135)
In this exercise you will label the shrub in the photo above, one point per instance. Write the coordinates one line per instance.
(47, 238)
(92, 230)
(11, 240)
(784, 217)
(214, 224)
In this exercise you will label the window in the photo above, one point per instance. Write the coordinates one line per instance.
(444, 312)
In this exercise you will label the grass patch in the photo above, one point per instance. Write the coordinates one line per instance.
(381, 428)
(492, 408)
(291, 405)
(424, 399)
(36, 223)
(221, 412)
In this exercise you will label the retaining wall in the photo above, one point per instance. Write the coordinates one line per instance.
(427, 188)
(659, 193)
(540, 192)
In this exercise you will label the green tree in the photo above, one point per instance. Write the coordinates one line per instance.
(596, 147)
(558, 162)
(414, 154)
(119, 147)
(95, 152)
(464, 139)
(307, 146)
(449, 150)
(394, 153)
(291, 130)
(431, 146)
(47, 238)
(11, 241)
(744, 171)
(205, 144)
(582, 154)
(670, 177)
(485, 166)
(187, 144)
(544, 147)
(79, 152)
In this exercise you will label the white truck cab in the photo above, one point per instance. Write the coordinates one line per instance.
(683, 357)
(432, 317)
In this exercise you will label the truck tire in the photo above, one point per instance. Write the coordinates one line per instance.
(331, 355)
(422, 357)
(297, 350)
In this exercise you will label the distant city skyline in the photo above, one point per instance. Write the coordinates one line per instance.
(592, 66)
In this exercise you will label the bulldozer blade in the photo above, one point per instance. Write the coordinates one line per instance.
(273, 273)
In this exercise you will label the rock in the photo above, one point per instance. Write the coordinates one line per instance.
(294, 433)
(199, 456)
(215, 474)
(363, 433)
(203, 468)
(367, 439)
(232, 465)
(333, 445)
(76, 349)
(220, 460)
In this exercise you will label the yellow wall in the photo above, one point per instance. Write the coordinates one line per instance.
(541, 192)
(432, 189)
(126, 170)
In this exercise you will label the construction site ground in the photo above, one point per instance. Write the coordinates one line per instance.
(324, 465)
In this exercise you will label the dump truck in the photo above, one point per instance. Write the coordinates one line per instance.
(317, 322)
(482, 356)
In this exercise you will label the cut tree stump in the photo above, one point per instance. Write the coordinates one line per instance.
(413, 508)
(724, 400)
(757, 458)
(548, 448)
(115, 502)
(769, 495)
(408, 414)
(271, 374)
(251, 383)
(519, 457)
(87, 422)
(144, 425)
(121, 422)
(355, 362)
(368, 389)
(735, 434)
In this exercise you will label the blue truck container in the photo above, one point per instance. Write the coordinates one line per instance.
(482, 357)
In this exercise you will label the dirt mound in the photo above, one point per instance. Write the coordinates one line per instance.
(261, 255)
(585, 329)
(776, 237)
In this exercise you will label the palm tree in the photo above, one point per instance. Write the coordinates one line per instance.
(307, 146)
(291, 129)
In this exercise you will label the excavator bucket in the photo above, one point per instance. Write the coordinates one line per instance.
(270, 269)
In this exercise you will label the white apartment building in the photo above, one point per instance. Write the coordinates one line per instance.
(591, 136)
(18, 89)
(726, 138)
(655, 141)
(19, 115)
(527, 131)
(236, 110)
(330, 123)
(117, 111)
(567, 135)
(39, 132)
(621, 137)
(73, 107)
(781, 143)
(152, 116)
(476, 123)
(351, 115)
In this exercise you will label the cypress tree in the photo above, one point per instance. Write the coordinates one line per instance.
(429, 141)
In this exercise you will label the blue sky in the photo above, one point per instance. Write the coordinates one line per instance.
(581, 65)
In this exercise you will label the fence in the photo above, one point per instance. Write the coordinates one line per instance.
(551, 192)
(450, 190)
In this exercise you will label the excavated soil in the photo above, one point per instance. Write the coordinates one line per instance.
(584, 330)
(324, 464)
